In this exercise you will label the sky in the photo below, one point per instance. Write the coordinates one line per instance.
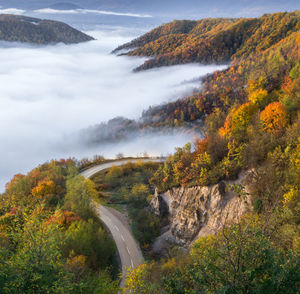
(171, 8)
(49, 93)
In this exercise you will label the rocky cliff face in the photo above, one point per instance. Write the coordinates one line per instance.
(17, 28)
(194, 212)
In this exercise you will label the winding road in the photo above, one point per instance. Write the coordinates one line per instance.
(130, 253)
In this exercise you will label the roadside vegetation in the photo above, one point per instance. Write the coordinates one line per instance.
(128, 186)
(50, 239)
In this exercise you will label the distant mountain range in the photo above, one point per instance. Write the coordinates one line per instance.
(17, 28)
(175, 8)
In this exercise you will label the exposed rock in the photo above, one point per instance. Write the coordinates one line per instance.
(17, 28)
(159, 205)
(198, 211)
(164, 243)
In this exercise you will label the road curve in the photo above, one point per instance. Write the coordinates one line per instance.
(130, 253)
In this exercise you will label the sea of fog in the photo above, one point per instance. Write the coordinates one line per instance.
(49, 93)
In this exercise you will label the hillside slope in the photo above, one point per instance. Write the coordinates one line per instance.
(251, 113)
(15, 28)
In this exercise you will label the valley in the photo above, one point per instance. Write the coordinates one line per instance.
(182, 156)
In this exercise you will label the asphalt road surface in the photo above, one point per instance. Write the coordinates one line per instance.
(130, 253)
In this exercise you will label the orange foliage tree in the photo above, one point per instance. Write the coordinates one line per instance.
(274, 117)
(64, 218)
(43, 189)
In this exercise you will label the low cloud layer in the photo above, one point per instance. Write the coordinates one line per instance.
(51, 11)
(87, 11)
(11, 11)
(48, 93)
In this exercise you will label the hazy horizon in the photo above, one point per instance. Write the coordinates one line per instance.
(169, 8)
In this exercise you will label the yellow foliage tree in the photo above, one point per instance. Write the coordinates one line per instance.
(237, 122)
(252, 86)
(258, 96)
(137, 281)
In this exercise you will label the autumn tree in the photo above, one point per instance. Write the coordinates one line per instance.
(274, 117)
(80, 193)
(44, 191)
(237, 121)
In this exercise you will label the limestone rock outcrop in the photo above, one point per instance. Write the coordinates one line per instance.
(198, 211)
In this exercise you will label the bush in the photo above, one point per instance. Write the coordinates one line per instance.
(146, 226)
(138, 195)
(89, 239)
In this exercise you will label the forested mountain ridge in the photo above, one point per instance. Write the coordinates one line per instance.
(212, 40)
(223, 89)
(271, 55)
(16, 28)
